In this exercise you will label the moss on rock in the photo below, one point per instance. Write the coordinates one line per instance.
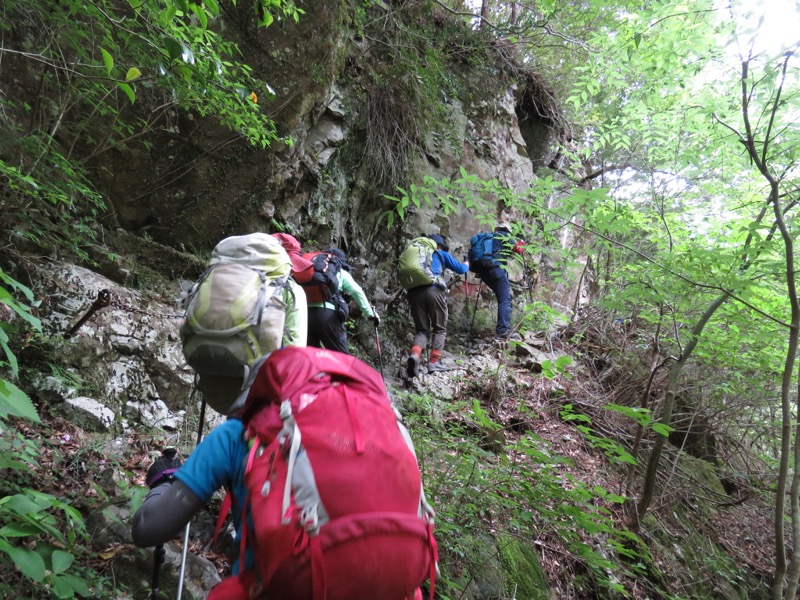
(525, 578)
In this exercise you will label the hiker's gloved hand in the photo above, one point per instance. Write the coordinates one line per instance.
(163, 469)
(376, 320)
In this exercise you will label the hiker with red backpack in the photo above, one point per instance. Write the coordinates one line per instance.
(328, 310)
(488, 259)
(422, 266)
(302, 461)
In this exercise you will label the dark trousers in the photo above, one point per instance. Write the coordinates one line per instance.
(497, 280)
(326, 329)
(429, 311)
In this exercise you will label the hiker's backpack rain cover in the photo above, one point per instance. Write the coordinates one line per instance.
(415, 264)
(235, 313)
(334, 490)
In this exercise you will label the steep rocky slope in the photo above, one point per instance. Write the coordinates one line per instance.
(117, 390)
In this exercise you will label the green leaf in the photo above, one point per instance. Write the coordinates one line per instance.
(563, 361)
(21, 504)
(62, 561)
(187, 55)
(11, 359)
(481, 416)
(173, 48)
(128, 90)
(185, 72)
(67, 586)
(29, 562)
(213, 7)
(18, 530)
(201, 15)
(73, 585)
(266, 19)
(21, 310)
(16, 403)
(108, 60)
(662, 429)
(133, 73)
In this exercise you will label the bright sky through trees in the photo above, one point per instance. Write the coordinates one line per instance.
(771, 26)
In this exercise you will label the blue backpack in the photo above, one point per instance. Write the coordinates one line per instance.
(482, 253)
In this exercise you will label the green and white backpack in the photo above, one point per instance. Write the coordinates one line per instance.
(415, 264)
(235, 314)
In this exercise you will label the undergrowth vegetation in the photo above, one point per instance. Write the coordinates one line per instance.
(43, 538)
(485, 478)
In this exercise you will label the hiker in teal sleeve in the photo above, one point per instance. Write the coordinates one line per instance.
(326, 320)
(178, 492)
(290, 498)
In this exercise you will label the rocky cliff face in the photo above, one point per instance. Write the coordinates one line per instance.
(361, 108)
(200, 181)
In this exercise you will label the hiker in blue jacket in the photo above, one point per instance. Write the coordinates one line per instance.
(429, 310)
(496, 276)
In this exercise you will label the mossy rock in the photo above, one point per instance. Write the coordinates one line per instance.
(699, 556)
(489, 568)
(525, 578)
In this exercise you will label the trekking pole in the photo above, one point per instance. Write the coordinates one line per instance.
(188, 525)
(380, 354)
(474, 312)
(527, 272)
(158, 560)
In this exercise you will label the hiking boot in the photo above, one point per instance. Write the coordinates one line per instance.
(438, 367)
(412, 366)
(509, 337)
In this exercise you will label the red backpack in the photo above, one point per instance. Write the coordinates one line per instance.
(334, 490)
(324, 283)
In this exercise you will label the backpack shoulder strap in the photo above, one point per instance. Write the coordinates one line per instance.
(224, 510)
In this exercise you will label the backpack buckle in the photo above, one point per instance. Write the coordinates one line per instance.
(309, 519)
(255, 589)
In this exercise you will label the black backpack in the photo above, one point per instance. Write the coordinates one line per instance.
(324, 283)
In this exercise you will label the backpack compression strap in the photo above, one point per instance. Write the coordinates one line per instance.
(290, 431)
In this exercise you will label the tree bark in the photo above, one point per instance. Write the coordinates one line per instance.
(484, 12)
(669, 404)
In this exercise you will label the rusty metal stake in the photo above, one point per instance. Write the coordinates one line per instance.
(103, 300)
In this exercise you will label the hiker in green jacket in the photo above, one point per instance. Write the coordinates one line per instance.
(327, 320)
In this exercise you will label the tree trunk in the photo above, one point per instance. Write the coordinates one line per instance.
(484, 12)
(669, 404)
(782, 587)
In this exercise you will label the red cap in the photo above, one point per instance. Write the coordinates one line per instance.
(292, 247)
